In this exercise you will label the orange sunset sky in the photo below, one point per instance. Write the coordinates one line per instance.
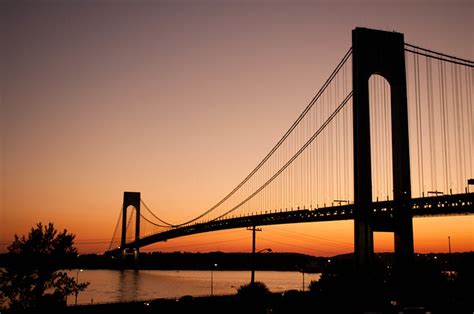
(180, 100)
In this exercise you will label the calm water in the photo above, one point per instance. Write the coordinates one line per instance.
(128, 285)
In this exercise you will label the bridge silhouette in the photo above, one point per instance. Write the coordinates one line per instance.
(388, 137)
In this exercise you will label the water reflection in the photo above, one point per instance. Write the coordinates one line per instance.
(128, 285)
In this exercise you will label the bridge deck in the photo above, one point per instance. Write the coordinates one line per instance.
(459, 204)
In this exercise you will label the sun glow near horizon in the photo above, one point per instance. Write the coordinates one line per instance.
(179, 102)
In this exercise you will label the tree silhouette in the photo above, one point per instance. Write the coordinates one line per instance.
(32, 279)
(253, 297)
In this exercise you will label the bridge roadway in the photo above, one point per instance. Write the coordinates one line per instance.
(457, 204)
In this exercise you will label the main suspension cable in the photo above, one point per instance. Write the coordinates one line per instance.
(329, 119)
(156, 217)
(293, 126)
(116, 228)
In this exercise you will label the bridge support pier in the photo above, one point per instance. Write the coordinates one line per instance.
(382, 53)
(130, 199)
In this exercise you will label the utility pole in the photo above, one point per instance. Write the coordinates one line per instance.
(302, 272)
(450, 265)
(449, 245)
(252, 276)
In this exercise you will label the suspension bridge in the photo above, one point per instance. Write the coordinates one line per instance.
(388, 137)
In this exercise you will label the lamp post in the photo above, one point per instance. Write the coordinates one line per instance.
(449, 245)
(212, 279)
(77, 282)
(252, 277)
(302, 272)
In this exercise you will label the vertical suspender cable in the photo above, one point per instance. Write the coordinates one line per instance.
(431, 123)
(444, 125)
(470, 118)
(458, 124)
(419, 123)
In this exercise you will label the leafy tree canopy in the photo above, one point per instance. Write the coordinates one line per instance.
(32, 278)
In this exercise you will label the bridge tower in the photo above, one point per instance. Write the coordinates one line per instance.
(130, 199)
(382, 53)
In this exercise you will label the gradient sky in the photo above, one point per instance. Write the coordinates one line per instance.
(180, 100)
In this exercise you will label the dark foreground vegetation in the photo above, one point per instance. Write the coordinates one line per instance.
(32, 276)
(196, 261)
(33, 281)
(438, 284)
(431, 289)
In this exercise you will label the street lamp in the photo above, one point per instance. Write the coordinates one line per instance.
(302, 272)
(77, 282)
(252, 277)
(212, 279)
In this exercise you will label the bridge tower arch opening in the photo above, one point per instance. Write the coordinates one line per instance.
(130, 199)
(380, 138)
(381, 53)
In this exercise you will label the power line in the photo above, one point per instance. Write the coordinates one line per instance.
(311, 236)
(206, 244)
(296, 246)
